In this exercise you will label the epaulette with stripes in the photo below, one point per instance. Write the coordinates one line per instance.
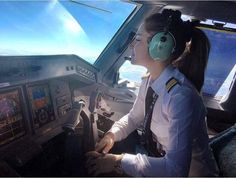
(171, 83)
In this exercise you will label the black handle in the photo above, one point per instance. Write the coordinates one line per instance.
(73, 117)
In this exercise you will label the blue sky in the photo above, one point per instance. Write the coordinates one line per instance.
(52, 27)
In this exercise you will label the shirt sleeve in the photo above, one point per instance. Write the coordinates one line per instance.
(133, 119)
(181, 113)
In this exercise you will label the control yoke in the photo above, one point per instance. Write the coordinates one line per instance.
(73, 117)
(89, 123)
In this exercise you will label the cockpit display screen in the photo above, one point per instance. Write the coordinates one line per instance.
(11, 117)
(41, 105)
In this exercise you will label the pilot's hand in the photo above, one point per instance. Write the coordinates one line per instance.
(106, 143)
(98, 163)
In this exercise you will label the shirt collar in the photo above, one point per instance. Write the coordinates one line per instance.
(158, 84)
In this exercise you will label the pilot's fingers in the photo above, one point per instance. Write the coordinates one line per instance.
(88, 162)
(106, 143)
(92, 166)
(107, 148)
(92, 162)
(99, 146)
(93, 154)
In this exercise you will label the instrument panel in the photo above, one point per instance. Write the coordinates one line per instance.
(41, 105)
(12, 125)
(34, 103)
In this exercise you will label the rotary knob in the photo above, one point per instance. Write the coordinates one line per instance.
(43, 116)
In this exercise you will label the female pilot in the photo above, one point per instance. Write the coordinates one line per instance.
(169, 105)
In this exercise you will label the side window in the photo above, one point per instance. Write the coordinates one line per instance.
(131, 74)
(221, 66)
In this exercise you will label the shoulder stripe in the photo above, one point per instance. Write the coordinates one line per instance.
(171, 83)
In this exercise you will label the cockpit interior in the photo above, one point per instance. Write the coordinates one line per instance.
(56, 103)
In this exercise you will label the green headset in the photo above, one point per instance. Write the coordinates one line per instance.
(162, 44)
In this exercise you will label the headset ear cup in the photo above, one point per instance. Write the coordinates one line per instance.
(161, 46)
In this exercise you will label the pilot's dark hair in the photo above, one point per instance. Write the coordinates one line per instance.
(192, 45)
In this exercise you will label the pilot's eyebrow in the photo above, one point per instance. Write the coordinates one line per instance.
(134, 37)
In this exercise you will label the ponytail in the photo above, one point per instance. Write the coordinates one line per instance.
(194, 60)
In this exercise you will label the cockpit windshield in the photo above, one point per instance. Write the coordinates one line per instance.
(83, 28)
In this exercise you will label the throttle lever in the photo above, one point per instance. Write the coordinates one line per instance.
(74, 116)
(95, 98)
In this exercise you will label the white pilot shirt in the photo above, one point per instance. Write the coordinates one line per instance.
(178, 123)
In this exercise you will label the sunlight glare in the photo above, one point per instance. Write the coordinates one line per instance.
(52, 4)
(73, 26)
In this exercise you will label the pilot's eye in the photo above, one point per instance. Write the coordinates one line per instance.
(137, 38)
